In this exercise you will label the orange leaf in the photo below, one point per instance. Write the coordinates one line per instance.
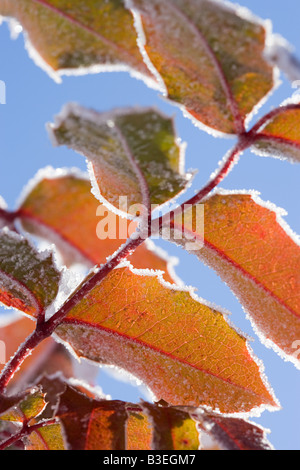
(74, 227)
(279, 136)
(247, 244)
(14, 334)
(210, 57)
(102, 423)
(138, 429)
(183, 350)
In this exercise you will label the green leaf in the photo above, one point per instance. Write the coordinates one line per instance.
(29, 280)
(132, 153)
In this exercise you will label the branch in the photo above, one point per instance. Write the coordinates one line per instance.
(25, 431)
(44, 329)
(8, 219)
(272, 114)
(244, 142)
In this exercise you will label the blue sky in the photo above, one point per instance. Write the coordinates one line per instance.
(33, 99)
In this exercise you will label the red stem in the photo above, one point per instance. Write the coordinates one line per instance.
(8, 218)
(44, 329)
(25, 431)
(265, 119)
(245, 140)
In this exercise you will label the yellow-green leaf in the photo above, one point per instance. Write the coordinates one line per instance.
(72, 35)
(26, 408)
(172, 429)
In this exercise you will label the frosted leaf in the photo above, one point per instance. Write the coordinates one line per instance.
(279, 134)
(136, 322)
(209, 55)
(29, 280)
(80, 37)
(133, 154)
(249, 245)
(76, 238)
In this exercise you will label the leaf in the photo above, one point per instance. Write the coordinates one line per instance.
(76, 237)
(138, 429)
(279, 136)
(233, 433)
(14, 334)
(28, 279)
(102, 423)
(79, 34)
(132, 154)
(253, 251)
(183, 350)
(210, 57)
(49, 437)
(172, 429)
(28, 408)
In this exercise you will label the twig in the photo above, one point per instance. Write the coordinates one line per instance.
(25, 431)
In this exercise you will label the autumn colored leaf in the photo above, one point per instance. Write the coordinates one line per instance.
(210, 58)
(133, 154)
(279, 134)
(46, 357)
(86, 422)
(172, 429)
(49, 437)
(254, 252)
(76, 238)
(102, 423)
(138, 429)
(234, 433)
(28, 280)
(24, 410)
(137, 323)
(79, 34)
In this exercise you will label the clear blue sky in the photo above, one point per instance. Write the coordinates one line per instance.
(33, 99)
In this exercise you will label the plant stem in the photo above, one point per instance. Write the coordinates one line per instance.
(44, 329)
(25, 431)
(8, 218)
(245, 140)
